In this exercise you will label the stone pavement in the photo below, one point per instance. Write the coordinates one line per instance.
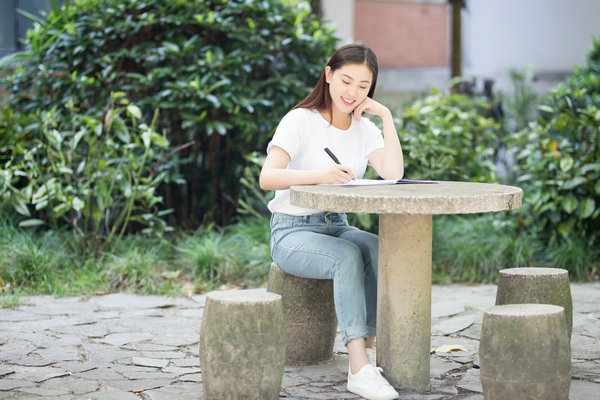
(121, 346)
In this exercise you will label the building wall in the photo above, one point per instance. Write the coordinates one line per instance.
(551, 36)
(412, 38)
(403, 34)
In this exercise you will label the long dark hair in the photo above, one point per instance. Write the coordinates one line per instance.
(320, 98)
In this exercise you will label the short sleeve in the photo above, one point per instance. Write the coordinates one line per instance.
(287, 134)
(374, 137)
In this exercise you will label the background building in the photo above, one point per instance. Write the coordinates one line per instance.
(412, 38)
(14, 26)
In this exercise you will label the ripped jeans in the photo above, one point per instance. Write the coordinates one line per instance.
(324, 246)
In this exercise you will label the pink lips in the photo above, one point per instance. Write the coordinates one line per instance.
(347, 103)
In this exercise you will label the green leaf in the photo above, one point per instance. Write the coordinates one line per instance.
(31, 222)
(134, 111)
(20, 206)
(571, 183)
(564, 228)
(77, 203)
(588, 206)
(566, 164)
(569, 203)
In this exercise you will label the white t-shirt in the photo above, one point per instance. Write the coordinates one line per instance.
(304, 134)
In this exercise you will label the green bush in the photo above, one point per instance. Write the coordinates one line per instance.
(91, 176)
(447, 137)
(222, 73)
(558, 159)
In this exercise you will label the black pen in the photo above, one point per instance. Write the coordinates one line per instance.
(333, 157)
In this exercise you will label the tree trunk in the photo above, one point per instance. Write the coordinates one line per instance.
(456, 51)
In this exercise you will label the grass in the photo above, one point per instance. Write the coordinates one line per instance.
(183, 264)
(474, 248)
(470, 249)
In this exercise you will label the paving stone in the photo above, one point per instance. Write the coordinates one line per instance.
(452, 325)
(33, 360)
(12, 384)
(150, 362)
(124, 301)
(112, 394)
(178, 339)
(71, 385)
(89, 330)
(57, 354)
(585, 348)
(581, 390)
(179, 371)
(472, 332)
(446, 308)
(119, 339)
(190, 378)
(102, 353)
(439, 386)
(76, 366)
(440, 366)
(179, 391)
(167, 355)
(149, 347)
(191, 313)
(470, 381)
(592, 330)
(13, 351)
(140, 384)
(187, 362)
(585, 370)
(101, 374)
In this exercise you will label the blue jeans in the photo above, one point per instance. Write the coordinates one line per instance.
(324, 246)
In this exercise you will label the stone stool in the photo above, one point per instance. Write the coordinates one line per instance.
(536, 285)
(525, 353)
(309, 314)
(242, 345)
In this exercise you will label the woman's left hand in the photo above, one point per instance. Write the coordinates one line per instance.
(371, 106)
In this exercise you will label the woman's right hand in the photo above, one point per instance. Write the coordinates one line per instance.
(337, 174)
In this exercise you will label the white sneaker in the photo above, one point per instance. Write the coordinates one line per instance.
(369, 384)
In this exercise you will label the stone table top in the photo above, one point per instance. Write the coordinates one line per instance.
(444, 197)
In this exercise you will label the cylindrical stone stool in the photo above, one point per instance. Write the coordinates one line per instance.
(309, 314)
(536, 285)
(525, 353)
(242, 345)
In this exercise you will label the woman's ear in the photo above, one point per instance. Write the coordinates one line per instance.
(328, 74)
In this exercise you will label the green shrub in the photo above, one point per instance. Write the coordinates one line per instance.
(558, 159)
(66, 170)
(474, 248)
(447, 137)
(222, 73)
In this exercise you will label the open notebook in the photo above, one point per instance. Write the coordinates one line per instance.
(371, 182)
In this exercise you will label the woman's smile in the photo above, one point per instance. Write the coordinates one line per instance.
(348, 102)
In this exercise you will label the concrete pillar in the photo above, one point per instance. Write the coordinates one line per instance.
(404, 299)
(525, 353)
(242, 345)
(309, 314)
(536, 285)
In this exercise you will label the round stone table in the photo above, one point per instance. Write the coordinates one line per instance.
(404, 278)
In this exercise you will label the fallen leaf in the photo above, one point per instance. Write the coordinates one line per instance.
(447, 348)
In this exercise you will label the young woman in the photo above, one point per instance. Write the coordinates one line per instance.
(319, 244)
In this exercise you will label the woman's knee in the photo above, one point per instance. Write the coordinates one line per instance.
(349, 263)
